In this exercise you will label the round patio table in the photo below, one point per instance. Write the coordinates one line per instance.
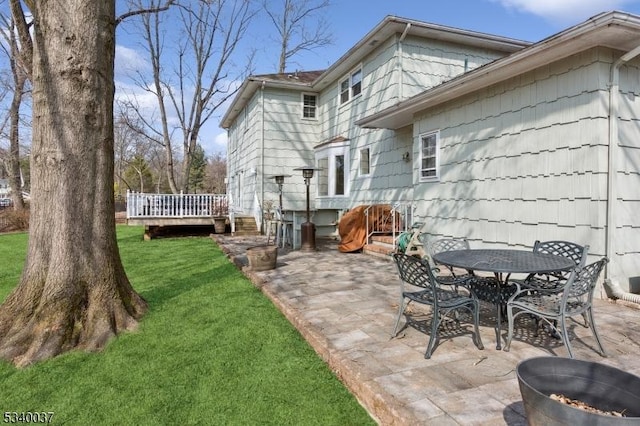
(503, 263)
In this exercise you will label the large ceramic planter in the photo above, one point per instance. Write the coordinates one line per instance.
(598, 385)
(262, 258)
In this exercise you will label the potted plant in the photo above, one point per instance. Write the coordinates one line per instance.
(220, 210)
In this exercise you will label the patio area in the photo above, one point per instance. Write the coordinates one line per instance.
(345, 306)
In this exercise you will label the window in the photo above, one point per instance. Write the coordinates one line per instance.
(333, 178)
(429, 156)
(309, 105)
(344, 91)
(356, 83)
(351, 86)
(339, 175)
(364, 162)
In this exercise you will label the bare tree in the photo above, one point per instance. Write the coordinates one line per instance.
(201, 81)
(132, 148)
(301, 26)
(73, 292)
(19, 54)
(216, 172)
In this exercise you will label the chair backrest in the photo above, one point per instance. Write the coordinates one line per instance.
(447, 244)
(567, 249)
(413, 270)
(583, 280)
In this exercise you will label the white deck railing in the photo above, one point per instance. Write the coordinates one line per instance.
(144, 205)
(388, 219)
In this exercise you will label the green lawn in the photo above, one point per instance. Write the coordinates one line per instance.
(211, 350)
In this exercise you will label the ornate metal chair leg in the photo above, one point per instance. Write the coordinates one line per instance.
(401, 307)
(510, 320)
(435, 323)
(476, 322)
(565, 337)
(595, 332)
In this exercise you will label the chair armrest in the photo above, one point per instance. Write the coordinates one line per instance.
(451, 280)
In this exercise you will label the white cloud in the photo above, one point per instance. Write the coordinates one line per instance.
(145, 100)
(128, 61)
(564, 11)
(221, 140)
(214, 145)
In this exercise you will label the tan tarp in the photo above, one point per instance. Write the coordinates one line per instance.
(353, 225)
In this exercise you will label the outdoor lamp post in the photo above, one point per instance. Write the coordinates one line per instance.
(280, 180)
(307, 229)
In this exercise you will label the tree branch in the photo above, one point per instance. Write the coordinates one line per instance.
(131, 13)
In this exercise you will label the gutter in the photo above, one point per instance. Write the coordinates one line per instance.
(611, 285)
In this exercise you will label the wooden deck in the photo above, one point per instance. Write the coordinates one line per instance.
(154, 211)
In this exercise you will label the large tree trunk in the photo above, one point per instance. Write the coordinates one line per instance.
(73, 292)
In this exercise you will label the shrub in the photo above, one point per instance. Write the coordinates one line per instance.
(14, 220)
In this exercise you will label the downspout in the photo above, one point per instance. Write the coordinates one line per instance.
(400, 57)
(262, 133)
(611, 285)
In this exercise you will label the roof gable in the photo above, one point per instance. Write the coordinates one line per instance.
(616, 30)
(391, 26)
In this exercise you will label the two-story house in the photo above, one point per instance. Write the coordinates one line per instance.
(280, 122)
(492, 139)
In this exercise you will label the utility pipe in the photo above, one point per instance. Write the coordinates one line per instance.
(400, 57)
(611, 284)
(261, 159)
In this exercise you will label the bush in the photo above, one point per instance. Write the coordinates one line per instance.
(14, 220)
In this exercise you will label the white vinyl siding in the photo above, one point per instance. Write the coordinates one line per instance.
(524, 159)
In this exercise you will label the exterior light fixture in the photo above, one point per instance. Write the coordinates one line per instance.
(280, 180)
(307, 229)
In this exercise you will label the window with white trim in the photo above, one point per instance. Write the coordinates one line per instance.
(430, 156)
(351, 86)
(333, 178)
(309, 105)
(365, 162)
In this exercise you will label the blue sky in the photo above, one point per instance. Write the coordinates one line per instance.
(350, 20)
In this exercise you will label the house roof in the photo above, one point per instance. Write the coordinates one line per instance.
(315, 81)
(616, 30)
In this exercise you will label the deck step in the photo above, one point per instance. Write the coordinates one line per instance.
(379, 248)
(383, 239)
(245, 225)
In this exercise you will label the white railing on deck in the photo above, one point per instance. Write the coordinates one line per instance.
(388, 219)
(143, 205)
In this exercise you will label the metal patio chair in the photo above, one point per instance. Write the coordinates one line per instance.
(446, 244)
(574, 298)
(567, 249)
(419, 284)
